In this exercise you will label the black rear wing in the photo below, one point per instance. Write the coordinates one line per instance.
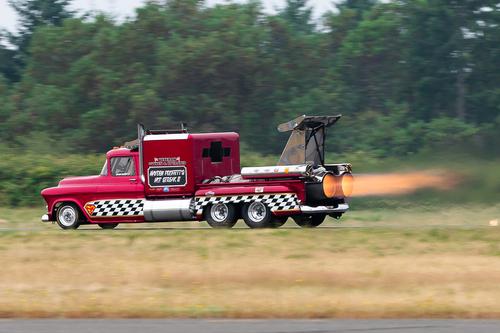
(306, 144)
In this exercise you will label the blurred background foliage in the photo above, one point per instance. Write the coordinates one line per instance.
(414, 79)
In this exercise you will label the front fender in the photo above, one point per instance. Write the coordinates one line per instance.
(78, 195)
(51, 208)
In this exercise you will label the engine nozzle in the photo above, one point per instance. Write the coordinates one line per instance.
(330, 186)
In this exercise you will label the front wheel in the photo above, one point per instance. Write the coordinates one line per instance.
(309, 221)
(68, 216)
(221, 215)
(108, 225)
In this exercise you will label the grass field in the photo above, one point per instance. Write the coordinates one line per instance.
(420, 262)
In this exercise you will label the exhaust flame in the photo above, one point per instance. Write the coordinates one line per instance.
(402, 183)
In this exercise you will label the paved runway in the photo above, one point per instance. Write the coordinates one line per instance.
(245, 326)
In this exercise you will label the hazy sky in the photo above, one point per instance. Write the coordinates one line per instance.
(124, 8)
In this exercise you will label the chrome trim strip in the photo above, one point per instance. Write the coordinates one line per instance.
(45, 218)
(341, 208)
(156, 137)
(140, 137)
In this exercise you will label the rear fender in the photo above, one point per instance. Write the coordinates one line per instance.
(233, 195)
(243, 190)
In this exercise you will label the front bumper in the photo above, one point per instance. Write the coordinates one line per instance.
(341, 208)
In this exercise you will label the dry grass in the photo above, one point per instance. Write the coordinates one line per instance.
(366, 272)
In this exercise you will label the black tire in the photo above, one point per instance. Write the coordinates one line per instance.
(221, 215)
(278, 221)
(108, 225)
(257, 215)
(309, 221)
(68, 216)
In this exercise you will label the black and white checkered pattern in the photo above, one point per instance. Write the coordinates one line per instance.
(118, 207)
(275, 202)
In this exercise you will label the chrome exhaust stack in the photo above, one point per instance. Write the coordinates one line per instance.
(277, 171)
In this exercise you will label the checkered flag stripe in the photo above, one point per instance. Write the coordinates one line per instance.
(275, 202)
(120, 207)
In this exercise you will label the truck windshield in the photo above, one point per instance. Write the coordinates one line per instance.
(104, 171)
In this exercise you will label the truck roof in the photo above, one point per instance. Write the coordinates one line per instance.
(120, 152)
(185, 136)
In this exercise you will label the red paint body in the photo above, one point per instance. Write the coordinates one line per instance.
(168, 151)
(187, 150)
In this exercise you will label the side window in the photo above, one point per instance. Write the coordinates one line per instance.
(216, 152)
(122, 166)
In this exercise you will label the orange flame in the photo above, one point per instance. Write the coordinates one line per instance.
(402, 183)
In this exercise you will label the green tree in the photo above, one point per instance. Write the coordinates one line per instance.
(8, 64)
(35, 13)
(370, 62)
(444, 35)
(357, 5)
(297, 14)
(399, 71)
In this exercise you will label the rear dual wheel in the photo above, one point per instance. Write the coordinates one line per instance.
(258, 215)
(309, 221)
(221, 215)
(255, 214)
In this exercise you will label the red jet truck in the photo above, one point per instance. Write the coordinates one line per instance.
(167, 176)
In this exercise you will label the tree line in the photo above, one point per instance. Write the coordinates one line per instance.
(407, 75)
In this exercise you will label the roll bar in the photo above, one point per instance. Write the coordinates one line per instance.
(306, 143)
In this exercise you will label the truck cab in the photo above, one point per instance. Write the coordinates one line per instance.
(118, 179)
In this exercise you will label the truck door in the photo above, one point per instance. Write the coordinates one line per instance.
(122, 181)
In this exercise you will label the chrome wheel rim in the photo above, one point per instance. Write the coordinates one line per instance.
(257, 211)
(219, 212)
(67, 216)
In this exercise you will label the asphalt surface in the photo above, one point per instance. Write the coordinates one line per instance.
(245, 326)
